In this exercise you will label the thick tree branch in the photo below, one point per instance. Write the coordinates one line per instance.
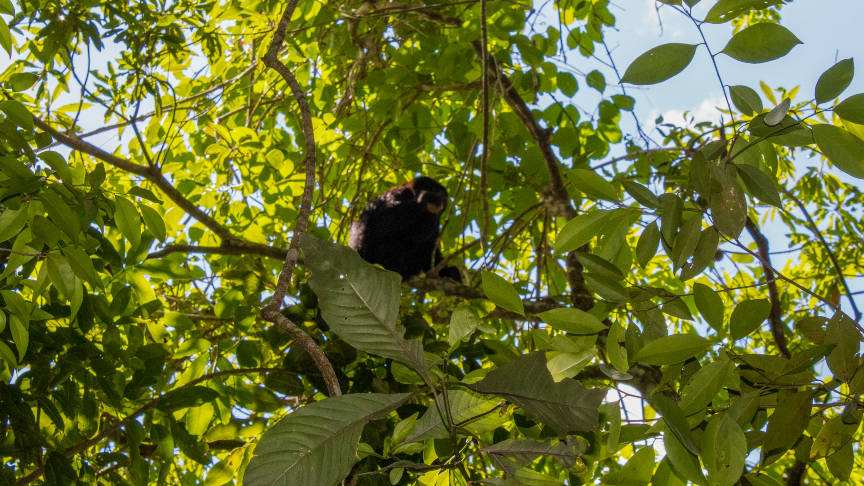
(270, 312)
(228, 249)
(778, 329)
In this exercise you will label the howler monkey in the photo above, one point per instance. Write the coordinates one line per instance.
(399, 229)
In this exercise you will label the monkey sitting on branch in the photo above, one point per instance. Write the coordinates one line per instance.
(399, 229)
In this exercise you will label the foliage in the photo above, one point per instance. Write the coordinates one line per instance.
(142, 334)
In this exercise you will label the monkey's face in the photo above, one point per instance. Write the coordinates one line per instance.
(433, 201)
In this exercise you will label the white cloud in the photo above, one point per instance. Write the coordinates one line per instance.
(707, 111)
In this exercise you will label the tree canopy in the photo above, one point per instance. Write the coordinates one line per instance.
(178, 305)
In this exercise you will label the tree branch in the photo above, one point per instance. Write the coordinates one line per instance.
(778, 329)
(270, 312)
(227, 249)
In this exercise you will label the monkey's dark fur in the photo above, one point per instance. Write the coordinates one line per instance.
(399, 229)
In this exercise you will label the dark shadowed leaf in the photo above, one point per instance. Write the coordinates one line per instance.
(193, 396)
(676, 422)
(760, 185)
(786, 424)
(565, 406)
(525, 451)
(360, 302)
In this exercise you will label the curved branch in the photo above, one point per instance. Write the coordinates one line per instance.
(270, 312)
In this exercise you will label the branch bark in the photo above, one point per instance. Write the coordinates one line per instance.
(778, 329)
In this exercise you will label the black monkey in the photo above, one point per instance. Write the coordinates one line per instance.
(399, 229)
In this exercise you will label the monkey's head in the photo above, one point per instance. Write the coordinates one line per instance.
(430, 194)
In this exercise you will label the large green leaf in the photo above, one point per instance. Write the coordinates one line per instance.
(469, 409)
(786, 425)
(676, 422)
(710, 305)
(128, 220)
(705, 385)
(851, 109)
(747, 317)
(502, 293)
(659, 64)
(360, 302)
(760, 185)
(746, 99)
(724, 449)
(526, 382)
(573, 321)
(761, 42)
(316, 444)
(581, 230)
(843, 149)
(835, 80)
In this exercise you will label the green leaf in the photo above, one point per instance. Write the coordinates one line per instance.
(83, 267)
(573, 321)
(832, 437)
(746, 99)
(844, 150)
(502, 293)
(705, 385)
(676, 348)
(786, 425)
(566, 83)
(7, 355)
(128, 220)
(851, 109)
(671, 216)
(710, 305)
(21, 81)
(465, 408)
(526, 382)
(834, 81)
(747, 317)
(684, 462)
(641, 194)
(463, 323)
(760, 43)
(57, 163)
(648, 243)
(596, 80)
(224, 471)
(60, 213)
(842, 463)
(659, 64)
(317, 444)
(624, 102)
(5, 37)
(595, 264)
(760, 185)
(360, 302)
(144, 194)
(17, 113)
(580, 230)
(6, 7)
(191, 347)
(726, 10)
(607, 288)
(686, 241)
(843, 360)
(729, 208)
(639, 468)
(593, 185)
(12, 221)
(676, 422)
(154, 222)
(724, 449)
(20, 336)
